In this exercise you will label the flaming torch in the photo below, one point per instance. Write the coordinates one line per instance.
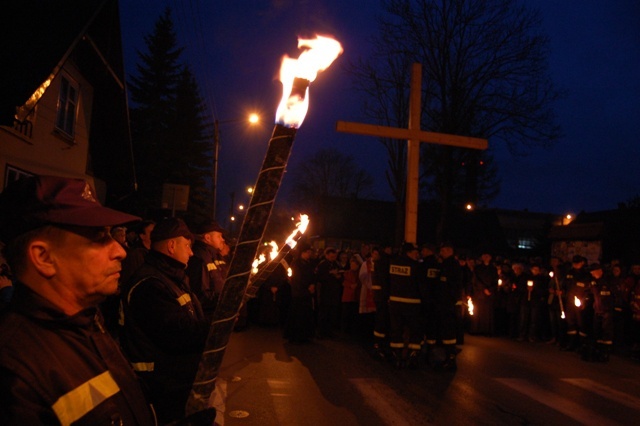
(470, 306)
(295, 75)
(277, 258)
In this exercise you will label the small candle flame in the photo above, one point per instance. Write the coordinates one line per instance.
(530, 283)
(499, 282)
(562, 315)
(577, 301)
(470, 306)
(320, 53)
(289, 272)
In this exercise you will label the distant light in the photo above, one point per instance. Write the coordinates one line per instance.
(469, 206)
(293, 218)
(254, 118)
(241, 207)
(567, 219)
(250, 189)
(233, 218)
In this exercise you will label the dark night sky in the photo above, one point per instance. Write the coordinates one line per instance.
(236, 47)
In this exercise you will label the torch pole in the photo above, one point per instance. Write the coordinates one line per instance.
(231, 297)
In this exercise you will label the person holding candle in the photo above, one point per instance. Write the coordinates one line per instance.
(485, 285)
(578, 308)
(531, 305)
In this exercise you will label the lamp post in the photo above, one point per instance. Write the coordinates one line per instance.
(252, 119)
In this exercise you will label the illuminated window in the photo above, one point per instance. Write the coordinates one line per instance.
(67, 103)
(525, 243)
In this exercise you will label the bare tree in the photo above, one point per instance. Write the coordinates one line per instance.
(329, 173)
(485, 75)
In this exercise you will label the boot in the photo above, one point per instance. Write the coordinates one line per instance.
(398, 361)
(603, 352)
(571, 343)
(450, 362)
(413, 360)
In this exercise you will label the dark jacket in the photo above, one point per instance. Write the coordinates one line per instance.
(407, 284)
(164, 332)
(207, 272)
(46, 360)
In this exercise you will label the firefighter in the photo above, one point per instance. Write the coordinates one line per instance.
(407, 283)
(578, 308)
(450, 291)
(603, 304)
(380, 286)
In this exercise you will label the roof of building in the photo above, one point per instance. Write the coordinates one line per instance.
(39, 34)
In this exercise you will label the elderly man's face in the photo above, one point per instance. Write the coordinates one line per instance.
(214, 239)
(87, 264)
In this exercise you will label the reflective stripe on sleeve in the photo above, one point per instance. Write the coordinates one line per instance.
(403, 299)
(73, 405)
(184, 299)
(143, 366)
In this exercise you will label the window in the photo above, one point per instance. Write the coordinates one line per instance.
(526, 243)
(67, 103)
(13, 173)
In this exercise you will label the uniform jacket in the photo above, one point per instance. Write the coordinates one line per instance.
(207, 272)
(577, 283)
(408, 284)
(164, 332)
(59, 369)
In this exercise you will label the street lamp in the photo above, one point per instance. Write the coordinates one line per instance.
(252, 119)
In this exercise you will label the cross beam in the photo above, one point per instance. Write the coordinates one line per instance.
(414, 136)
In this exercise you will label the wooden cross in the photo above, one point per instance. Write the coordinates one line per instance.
(414, 136)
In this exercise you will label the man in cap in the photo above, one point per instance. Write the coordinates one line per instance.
(57, 363)
(164, 326)
(207, 268)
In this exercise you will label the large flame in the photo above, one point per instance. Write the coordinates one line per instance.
(301, 227)
(320, 53)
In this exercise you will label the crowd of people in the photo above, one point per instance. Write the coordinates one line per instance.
(415, 305)
(104, 316)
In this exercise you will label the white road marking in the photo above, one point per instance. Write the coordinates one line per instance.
(557, 402)
(391, 408)
(606, 392)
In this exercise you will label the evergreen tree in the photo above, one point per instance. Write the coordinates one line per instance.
(193, 145)
(168, 124)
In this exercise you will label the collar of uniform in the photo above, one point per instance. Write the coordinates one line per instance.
(30, 303)
(166, 264)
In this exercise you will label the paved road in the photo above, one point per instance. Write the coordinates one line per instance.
(266, 381)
